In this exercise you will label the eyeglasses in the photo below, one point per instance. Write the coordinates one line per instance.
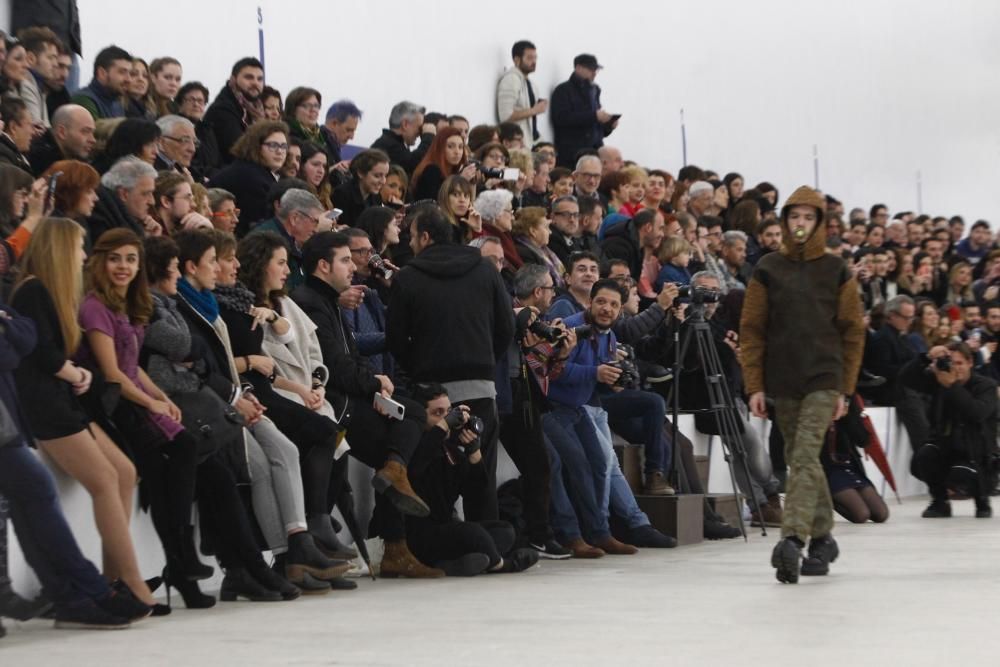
(585, 174)
(235, 213)
(195, 101)
(567, 214)
(189, 196)
(308, 217)
(276, 146)
(309, 106)
(187, 141)
(551, 287)
(364, 252)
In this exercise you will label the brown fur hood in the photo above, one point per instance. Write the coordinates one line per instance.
(814, 246)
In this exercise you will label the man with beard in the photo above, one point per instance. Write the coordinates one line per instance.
(237, 106)
(516, 101)
(767, 239)
(582, 271)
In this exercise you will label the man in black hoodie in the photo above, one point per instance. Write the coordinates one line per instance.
(630, 240)
(449, 321)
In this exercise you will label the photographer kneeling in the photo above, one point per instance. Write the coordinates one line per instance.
(447, 460)
(963, 416)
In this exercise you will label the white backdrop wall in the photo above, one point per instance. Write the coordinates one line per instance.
(884, 88)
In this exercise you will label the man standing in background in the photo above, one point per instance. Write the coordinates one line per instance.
(516, 101)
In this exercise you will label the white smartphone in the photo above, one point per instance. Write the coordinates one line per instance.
(511, 174)
(392, 408)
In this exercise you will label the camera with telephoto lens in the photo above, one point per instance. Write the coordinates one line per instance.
(698, 294)
(378, 267)
(629, 379)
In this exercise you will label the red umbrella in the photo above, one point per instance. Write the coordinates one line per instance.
(873, 448)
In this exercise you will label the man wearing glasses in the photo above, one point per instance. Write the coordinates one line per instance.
(886, 353)
(587, 177)
(176, 146)
(564, 238)
(298, 219)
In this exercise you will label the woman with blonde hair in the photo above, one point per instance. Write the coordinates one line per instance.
(50, 385)
(531, 238)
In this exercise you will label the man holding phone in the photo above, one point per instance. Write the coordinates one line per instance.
(516, 101)
(363, 402)
(578, 120)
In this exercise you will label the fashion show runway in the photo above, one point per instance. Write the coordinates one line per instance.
(909, 592)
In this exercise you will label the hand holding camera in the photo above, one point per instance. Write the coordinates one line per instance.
(940, 365)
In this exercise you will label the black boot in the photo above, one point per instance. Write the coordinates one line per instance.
(189, 590)
(822, 552)
(321, 528)
(983, 509)
(239, 584)
(785, 559)
(303, 557)
(938, 509)
(271, 580)
(191, 566)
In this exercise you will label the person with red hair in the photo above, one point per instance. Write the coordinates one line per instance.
(445, 158)
(76, 192)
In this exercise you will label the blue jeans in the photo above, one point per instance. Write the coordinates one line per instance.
(45, 537)
(619, 499)
(638, 417)
(562, 516)
(584, 462)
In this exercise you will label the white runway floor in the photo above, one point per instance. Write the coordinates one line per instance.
(906, 593)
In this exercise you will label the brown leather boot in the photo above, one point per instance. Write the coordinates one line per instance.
(581, 549)
(392, 481)
(615, 548)
(655, 484)
(770, 513)
(398, 561)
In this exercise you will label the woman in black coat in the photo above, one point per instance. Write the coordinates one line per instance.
(260, 153)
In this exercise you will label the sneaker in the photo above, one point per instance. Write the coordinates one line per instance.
(124, 605)
(786, 559)
(822, 552)
(938, 509)
(520, 560)
(87, 615)
(647, 536)
(716, 529)
(983, 509)
(551, 550)
(14, 606)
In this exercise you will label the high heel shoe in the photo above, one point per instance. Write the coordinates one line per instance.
(191, 594)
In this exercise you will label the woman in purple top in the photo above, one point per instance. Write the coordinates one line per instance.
(113, 317)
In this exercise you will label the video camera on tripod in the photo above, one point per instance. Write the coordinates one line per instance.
(697, 295)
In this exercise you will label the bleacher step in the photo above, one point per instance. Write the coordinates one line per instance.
(630, 460)
(682, 517)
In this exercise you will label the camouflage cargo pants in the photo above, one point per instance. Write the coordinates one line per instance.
(804, 423)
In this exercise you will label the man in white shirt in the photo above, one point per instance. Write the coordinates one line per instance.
(516, 101)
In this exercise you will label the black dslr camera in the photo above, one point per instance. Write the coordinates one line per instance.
(629, 379)
(544, 330)
(473, 424)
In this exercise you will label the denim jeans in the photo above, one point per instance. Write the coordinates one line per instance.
(46, 540)
(638, 417)
(619, 500)
(562, 516)
(584, 463)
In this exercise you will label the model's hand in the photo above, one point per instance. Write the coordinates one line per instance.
(758, 404)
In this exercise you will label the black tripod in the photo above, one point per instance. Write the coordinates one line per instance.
(721, 404)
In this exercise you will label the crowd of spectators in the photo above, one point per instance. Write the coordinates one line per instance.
(219, 294)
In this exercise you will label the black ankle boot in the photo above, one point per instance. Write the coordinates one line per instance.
(983, 509)
(822, 552)
(190, 593)
(271, 580)
(304, 557)
(239, 584)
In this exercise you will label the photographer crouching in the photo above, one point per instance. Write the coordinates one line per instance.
(960, 453)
